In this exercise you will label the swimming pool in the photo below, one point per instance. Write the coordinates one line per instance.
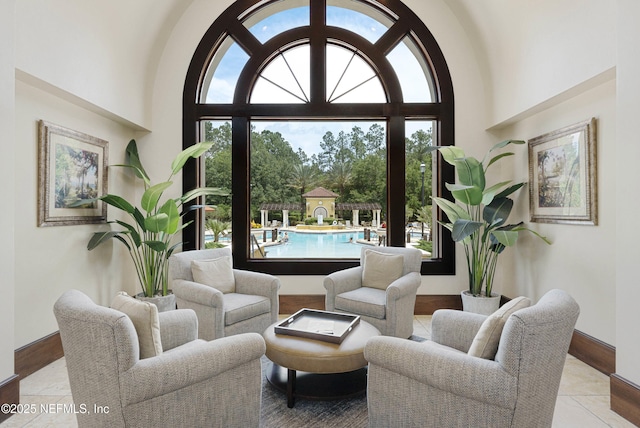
(317, 245)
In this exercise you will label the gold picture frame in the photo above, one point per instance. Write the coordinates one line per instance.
(71, 166)
(562, 175)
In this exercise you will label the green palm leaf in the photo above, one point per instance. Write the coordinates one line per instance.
(452, 210)
(191, 152)
(157, 246)
(171, 210)
(489, 194)
(469, 195)
(101, 237)
(118, 202)
(151, 196)
(451, 154)
(509, 190)
(134, 161)
(506, 237)
(497, 212)
(157, 223)
(202, 191)
(132, 231)
(464, 228)
(470, 172)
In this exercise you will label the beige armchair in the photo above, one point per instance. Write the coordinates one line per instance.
(389, 306)
(233, 301)
(188, 384)
(437, 384)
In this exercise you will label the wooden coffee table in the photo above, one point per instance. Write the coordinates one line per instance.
(315, 369)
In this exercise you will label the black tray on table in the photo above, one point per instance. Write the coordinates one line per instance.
(320, 325)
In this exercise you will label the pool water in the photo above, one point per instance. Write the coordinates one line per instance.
(317, 245)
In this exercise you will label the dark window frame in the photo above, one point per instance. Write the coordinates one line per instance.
(394, 112)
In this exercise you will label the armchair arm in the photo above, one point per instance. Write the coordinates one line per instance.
(340, 282)
(193, 363)
(439, 367)
(455, 329)
(406, 285)
(197, 293)
(177, 327)
(257, 283)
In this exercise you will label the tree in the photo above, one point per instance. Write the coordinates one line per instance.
(218, 162)
(340, 176)
(375, 139)
(417, 153)
(303, 176)
(216, 227)
(352, 164)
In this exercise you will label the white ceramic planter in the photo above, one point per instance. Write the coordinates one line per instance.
(164, 303)
(480, 304)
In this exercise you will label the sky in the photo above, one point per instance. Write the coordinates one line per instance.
(343, 67)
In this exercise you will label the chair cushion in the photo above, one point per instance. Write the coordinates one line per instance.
(381, 269)
(144, 316)
(485, 344)
(363, 301)
(216, 273)
(239, 307)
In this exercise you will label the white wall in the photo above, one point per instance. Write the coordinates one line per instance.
(7, 190)
(627, 175)
(581, 259)
(50, 260)
(87, 66)
(104, 53)
(534, 51)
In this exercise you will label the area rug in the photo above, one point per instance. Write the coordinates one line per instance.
(350, 412)
(309, 413)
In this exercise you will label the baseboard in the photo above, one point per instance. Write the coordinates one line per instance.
(292, 303)
(599, 355)
(9, 394)
(428, 304)
(425, 304)
(36, 355)
(625, 399)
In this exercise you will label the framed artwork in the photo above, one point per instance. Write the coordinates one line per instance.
(562, 175)
(71, 166)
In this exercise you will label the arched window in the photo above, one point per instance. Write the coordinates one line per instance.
(368, 71)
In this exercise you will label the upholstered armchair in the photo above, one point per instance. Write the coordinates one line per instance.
(438, 384)
(227, 301)
(189, 383)
(382, 290)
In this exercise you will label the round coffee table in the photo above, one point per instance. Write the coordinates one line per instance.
(315, 369)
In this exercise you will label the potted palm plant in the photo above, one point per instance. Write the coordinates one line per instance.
(478, 218)
(149, 235)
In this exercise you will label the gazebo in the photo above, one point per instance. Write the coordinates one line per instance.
(285, 208)
(321, 202)
(356, 207)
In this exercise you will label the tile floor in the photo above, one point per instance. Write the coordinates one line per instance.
(583, 399)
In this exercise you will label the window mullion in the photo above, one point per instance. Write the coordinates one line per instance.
(396, 180)
(318, 56)
(240, 189)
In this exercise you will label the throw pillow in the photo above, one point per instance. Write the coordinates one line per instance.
(485, 344)
(144, 316)
(216, 273)
(381, 269)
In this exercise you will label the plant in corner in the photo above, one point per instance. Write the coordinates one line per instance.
(478, 216)
(149, 235)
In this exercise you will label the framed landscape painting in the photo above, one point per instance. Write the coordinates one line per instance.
(562, 175)
(71, 166)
